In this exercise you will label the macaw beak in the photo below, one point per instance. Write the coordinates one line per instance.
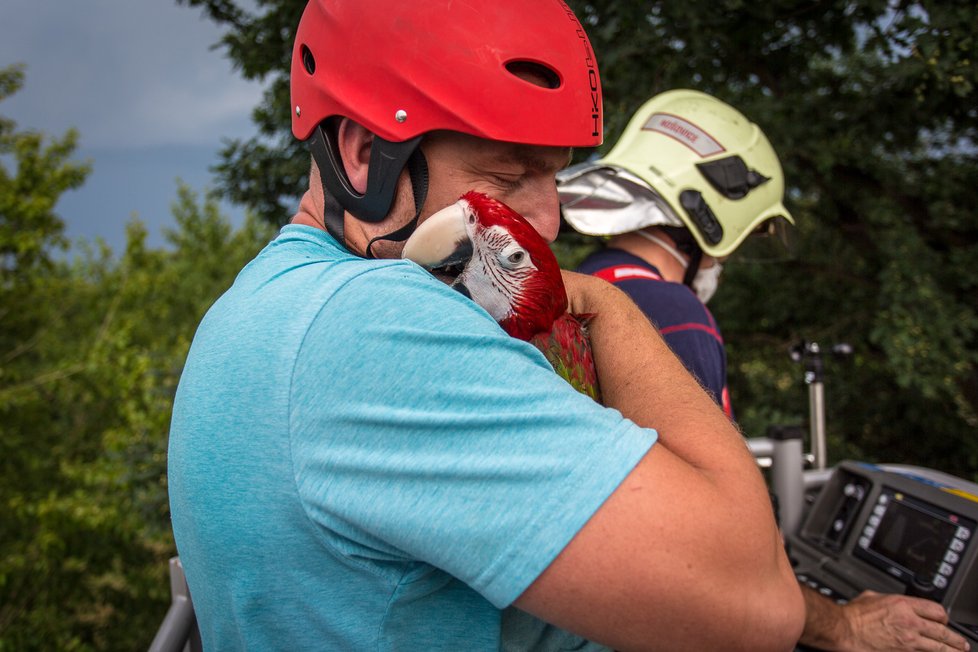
(441, 243)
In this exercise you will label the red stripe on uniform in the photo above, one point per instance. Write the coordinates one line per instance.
(626, 273)
(690, 327)
(725, 403)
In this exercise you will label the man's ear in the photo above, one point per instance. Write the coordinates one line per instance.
(354, 142)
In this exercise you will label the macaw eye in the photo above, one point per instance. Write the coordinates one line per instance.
(513, 256)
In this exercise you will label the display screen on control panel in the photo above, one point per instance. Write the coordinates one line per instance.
(912, 538)
(918, 542)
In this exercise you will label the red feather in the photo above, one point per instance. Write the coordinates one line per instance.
(539, 312)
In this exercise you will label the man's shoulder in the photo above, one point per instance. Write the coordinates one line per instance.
(667, 303)
(310, 262)
(638, 277)
(609, 257)
(300, 279)
(618, 266)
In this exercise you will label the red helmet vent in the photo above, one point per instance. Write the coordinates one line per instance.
(535, 73)
(308, 61)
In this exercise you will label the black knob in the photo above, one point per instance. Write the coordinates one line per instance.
(919, 589)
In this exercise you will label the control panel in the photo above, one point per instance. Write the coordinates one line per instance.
(893, 529)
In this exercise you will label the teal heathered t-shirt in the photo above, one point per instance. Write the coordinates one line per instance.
(361, 459)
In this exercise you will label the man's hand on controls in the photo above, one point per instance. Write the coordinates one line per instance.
(875, 621)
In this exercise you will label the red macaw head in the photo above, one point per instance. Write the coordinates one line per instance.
(502, 263)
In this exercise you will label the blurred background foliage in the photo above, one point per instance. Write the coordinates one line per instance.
(91, 347)
(871, 105)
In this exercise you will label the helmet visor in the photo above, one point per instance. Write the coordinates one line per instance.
(773, 240)
(599, 199)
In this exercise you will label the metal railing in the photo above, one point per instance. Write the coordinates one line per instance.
(179, 632)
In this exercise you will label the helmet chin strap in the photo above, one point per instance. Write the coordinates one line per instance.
(387, 160)
(417, 167)
(688, 247)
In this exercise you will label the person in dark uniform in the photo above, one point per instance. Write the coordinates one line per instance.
(655, 283)
(689, 180)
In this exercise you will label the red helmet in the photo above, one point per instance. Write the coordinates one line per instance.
(405, 68)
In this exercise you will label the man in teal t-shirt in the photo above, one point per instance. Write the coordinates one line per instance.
(403, 504)
(360, 458)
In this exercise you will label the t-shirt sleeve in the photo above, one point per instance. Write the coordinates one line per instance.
(421, 431)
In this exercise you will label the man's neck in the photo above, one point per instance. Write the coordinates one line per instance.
(652, 253)
(309, 214)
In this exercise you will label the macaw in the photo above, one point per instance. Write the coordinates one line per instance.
(504, 265)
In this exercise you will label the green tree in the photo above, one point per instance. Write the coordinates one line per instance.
(85, 566)
(268, 171)
(871, 106)
(29, 226)
(30, 231)
(91, 349)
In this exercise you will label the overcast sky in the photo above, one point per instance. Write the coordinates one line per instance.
(149, 96)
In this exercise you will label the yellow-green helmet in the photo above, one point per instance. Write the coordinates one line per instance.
(685, 159)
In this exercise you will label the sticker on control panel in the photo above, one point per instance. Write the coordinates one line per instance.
(963, 494)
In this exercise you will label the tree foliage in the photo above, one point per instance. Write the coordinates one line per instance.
(871, 105)
(90, 351)
(43, 172)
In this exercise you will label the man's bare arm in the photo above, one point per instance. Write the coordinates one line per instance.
(685, 554)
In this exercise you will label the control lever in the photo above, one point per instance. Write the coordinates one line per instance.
(918, 589)
(810, 355)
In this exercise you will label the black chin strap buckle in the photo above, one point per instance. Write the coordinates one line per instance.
(387, 160)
